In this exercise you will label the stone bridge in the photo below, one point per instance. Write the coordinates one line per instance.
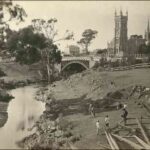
(86, 62)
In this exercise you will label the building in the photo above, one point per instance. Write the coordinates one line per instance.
(147, 34)
(74, 50)
(134, 44)
(110, 48)
(121, 37)
(118, 46)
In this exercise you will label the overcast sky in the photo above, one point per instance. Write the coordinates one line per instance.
(80, 15)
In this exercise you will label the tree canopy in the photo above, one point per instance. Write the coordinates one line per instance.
(144, 49)
(87, 36)
(29, 47)
(26, 45)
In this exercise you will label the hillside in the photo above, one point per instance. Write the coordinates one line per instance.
(72, 98)
(95, 85)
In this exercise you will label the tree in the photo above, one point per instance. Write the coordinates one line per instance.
(29, 47)
(24, 47)
(15, 12)
(144, 49)
(49, 54)
(87, 36)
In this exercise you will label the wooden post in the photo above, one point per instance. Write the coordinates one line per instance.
(143, 132)
(104, 146)
(113, 141)
(109, 141)
(132, 144)
(145, 145)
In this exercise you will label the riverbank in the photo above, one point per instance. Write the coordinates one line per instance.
(12, 75)
(23, 111)
(72, 98)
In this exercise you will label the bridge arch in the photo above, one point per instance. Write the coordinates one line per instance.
(74, 62)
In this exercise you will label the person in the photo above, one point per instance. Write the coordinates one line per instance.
(90, 107)
(98, 127)
(124, 116)
(119, 105)
(92, 110)
(125, 106)
(107, 121)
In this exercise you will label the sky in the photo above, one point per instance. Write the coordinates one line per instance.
(80, 15)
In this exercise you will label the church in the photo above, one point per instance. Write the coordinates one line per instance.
(122, 47)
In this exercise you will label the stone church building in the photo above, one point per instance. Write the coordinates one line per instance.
(122, 47)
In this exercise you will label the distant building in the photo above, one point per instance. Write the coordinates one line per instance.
(134, 43)
(147, 34)
(118, 46)
(74, 50)
(110, 48)
(121, 37)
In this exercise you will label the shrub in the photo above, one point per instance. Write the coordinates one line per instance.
(4, 97)
(2, 73)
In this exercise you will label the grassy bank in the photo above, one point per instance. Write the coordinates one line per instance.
(72, 98)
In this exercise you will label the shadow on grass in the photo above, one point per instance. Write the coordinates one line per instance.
(81, 105)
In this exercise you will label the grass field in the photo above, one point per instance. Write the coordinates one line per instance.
(95, 85)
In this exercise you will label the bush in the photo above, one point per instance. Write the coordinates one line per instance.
(138, 61)
(2, 73)
(5, 97)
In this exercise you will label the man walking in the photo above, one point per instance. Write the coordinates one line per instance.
(124, 116)
(107, 121)
(92, 110)
(98, 127)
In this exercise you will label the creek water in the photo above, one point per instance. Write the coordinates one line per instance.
(23, 112)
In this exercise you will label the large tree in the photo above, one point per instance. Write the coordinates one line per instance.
(29, 47)
(24, 47)
(87, 36)
(48, 54)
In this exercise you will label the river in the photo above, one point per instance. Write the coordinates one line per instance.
(23, 111)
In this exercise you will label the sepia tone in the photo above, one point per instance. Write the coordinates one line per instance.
(74, 74)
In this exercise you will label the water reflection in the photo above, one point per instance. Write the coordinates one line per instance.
(23, 111)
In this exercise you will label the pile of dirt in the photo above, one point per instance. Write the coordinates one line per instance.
(2, 74)
(95, 84)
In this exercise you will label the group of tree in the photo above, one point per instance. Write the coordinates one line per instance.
(144, 49)
(38, 41)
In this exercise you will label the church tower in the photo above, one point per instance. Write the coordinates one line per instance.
(121, 37)
(147, 34)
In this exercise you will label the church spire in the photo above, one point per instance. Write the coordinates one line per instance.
(148, 29)
(121, 12)
(115, 12)
(126, 12)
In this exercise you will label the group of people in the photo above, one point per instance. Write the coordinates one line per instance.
(107, 119)
(98, 127)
